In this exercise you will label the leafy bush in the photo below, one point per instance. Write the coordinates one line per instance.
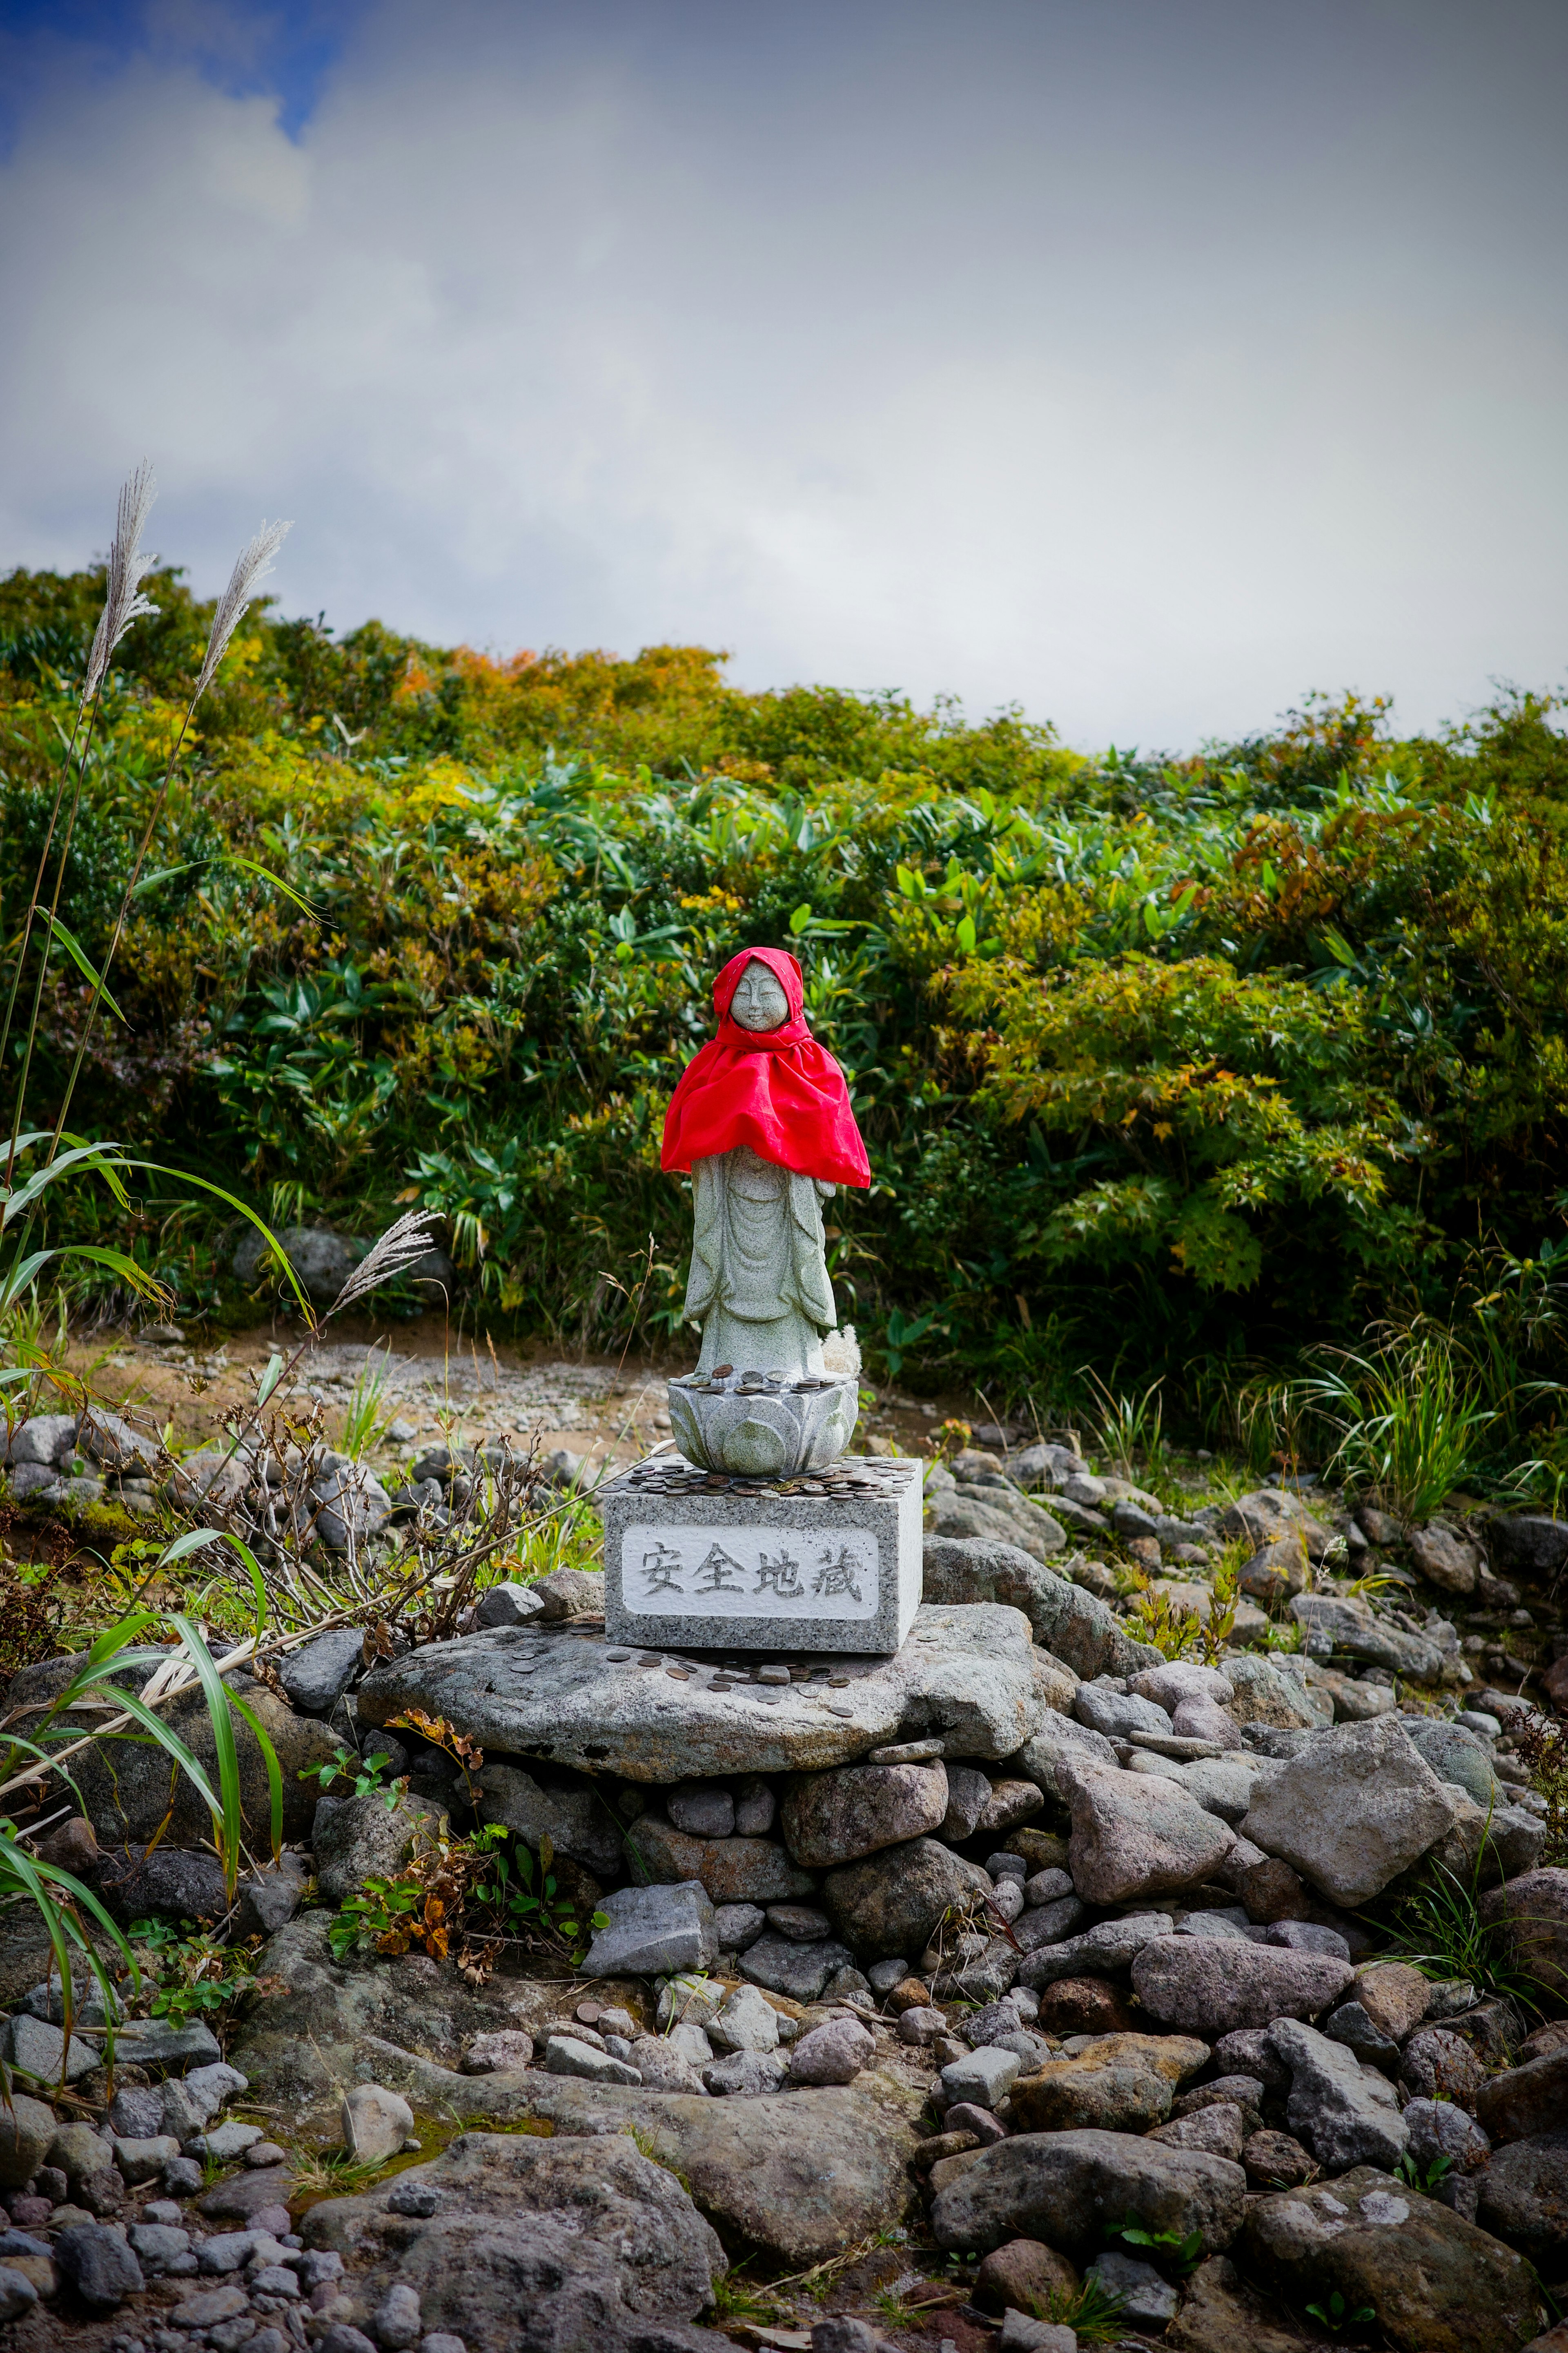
(1177, 1066)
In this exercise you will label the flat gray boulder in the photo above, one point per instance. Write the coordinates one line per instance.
(970, 1675)
(1210, 1986)
(1064, 2187)
(1351, 1810)
(1000, 1514)
(1356, 1632)
(1073, 1625)
(607, 2245)
(654, 1932)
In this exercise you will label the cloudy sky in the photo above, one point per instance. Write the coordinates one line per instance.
(1147, 363)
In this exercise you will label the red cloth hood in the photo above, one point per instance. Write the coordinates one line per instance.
(776, 1090)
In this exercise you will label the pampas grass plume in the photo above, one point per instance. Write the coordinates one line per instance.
(128, 567)
(254, 564)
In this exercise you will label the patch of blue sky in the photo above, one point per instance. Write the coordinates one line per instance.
(282, 49)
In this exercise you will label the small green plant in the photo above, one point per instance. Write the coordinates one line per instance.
(737, 2301)
(1182, 2255)
(1336, 2314)
(192, 1975)
(421, 1904)
(1423, 2178)
(1407, 1420)
(1439, 1930)
(1129, 1430)
(528, 1900)
(1173, 1631)
(365, 1424)
(1092, 2311)
(365, 1772)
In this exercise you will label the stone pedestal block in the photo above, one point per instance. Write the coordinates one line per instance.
(822, 1564)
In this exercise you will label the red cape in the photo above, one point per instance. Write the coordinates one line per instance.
(776, 1090)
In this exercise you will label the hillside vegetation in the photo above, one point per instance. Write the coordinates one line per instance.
(1170, 1067)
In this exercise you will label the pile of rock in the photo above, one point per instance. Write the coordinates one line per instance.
(1025, 1920)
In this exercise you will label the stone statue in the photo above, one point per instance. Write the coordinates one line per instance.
(762, 1118)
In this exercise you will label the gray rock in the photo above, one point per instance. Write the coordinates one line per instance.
(733, 1870)
(1437, 2065)
(1204, 1987)
(1456, 1755)
(996, 1515)
(1267, 1692)
(1344, 2112)
(1440, 2128)
(653, 1932)
(170, 1883)
(1134, 1836)
(271, 1898)
(1433, 2282)
(136, 2113)
(1530, 1544)
(98, 2265)
(569, 1593)
(703, 1810)
(800, 1971)
(107, 1439)
(37, 2051)
(1444, 1558)
(576, 1821)
(983, 2076)
(350, 1504)
(141, 2161)
(757, 1806)
(663, 2068)
(857, 1809)
(1351, 2025)
(610, 2249)
(155, 2245)
(736, 1925)
(1147, 2300)
(1222, 1785)
(125, 1786)
(1073, 1625)
(1523, 2190)
(746, 2022)
(363, 1839)
(1100, 1952)
(509, 1603)
(893, 1902)
(1354, 1809)
(971, 1675)
(376, 2123)
(1062, 1741)
(322, 1262)
(832, 2053)
(968, 1794)
(565, 2055)
(1060, 2186)
(43, 1439)
(316, 1675)
(1268, 1514)
(1306, 1936)
(1119, 1715)
(1353, 1630)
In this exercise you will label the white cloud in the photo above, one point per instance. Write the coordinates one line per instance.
(1148, 381)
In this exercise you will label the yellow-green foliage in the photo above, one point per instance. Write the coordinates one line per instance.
(1182, 1063)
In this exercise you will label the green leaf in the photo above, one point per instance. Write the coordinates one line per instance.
(84, 963)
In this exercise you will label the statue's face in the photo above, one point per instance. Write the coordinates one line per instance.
(759, 1002)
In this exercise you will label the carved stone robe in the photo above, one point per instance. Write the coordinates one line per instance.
(758, 1285)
